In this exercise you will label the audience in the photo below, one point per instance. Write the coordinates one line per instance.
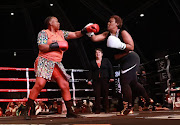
(41, 108)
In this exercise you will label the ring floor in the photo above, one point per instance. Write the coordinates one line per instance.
(138, 118)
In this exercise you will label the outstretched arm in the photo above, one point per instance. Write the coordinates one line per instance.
(74, 35)
(99, 37)
(87, 29)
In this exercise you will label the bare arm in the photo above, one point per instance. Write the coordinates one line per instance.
(42, 41)
(127, 40)
(44, 48)
(74, 35)
(99, 37)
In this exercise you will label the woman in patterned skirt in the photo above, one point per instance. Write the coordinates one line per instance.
(48, 66)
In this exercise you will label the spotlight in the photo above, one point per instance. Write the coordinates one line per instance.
(51, 4)
(14, 53)
(12, 14)
(141, 15)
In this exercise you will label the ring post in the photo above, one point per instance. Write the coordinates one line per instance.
(27, 77)
(73, 87)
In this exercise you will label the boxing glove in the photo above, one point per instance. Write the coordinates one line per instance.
(90, 34)
(90, 28)
(63, 45)
(114, 42)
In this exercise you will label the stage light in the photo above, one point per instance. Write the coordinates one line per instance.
(51, 4)
(141, 15)
(12, 14)
(14, 53)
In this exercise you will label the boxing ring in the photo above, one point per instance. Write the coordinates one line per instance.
(165, 69)
(29, 80)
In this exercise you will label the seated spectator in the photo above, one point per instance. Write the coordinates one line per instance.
(41, 108)
(22, 108)
(54, 107)
(11, 109)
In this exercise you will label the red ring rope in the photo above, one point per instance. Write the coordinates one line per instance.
(17, 79)
(29, 80)
(19, 90)
(18, 69)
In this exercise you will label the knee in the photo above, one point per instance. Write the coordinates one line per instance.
(65, 86)
(38, 86)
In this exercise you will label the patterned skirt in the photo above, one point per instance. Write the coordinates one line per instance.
(44, 68)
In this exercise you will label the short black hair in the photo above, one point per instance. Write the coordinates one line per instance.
(46, 21)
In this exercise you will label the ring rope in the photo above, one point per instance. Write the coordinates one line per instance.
(16, 69)
(32, 69)
(43, 90)
(22, 100)
(17, 79)
(27, 80)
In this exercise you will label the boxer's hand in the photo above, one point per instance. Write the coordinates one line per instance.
(90, 28)
(63, 45)
(114, 42)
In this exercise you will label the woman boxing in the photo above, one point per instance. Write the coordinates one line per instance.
(48, 66)
(121, 47)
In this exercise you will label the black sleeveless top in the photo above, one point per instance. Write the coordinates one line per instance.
(110, 52)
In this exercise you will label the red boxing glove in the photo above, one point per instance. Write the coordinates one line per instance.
(63, 45)
(93, 28)
(90, 28)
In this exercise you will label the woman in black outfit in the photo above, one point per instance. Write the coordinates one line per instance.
(120, 45)
(101, 73)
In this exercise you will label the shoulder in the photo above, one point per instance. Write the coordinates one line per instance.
(42, 32)
(105, 59)
(125, 33)
(65, 33)
(93, 61)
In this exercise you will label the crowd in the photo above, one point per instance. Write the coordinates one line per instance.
(45, 108)
(57, 107)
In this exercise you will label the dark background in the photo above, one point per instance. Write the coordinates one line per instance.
(155, 35)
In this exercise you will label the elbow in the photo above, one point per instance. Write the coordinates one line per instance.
(43, 49)
(129, 48)
(94, 39)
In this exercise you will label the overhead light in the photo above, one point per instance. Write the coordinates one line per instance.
(51, 4)
(14, 53)
(141, 15)
(12, 14)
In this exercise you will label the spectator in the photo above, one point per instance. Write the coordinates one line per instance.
(41, 108)
(22, 108)
(100, 75)
(11, 109)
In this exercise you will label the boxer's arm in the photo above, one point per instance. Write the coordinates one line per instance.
(88, 28)
(42, 40)
(99, 37)
(127, 40)
(44, 48)
(74, 35)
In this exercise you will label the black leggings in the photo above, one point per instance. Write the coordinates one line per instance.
(101, 86)
(130, 86)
